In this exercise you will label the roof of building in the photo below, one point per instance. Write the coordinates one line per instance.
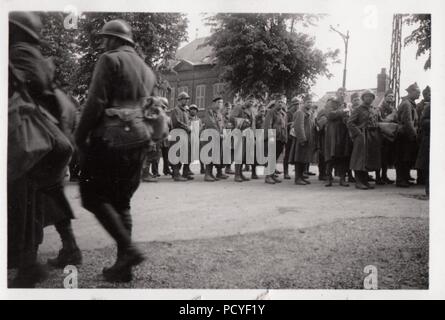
(196, 53)
(378, 96)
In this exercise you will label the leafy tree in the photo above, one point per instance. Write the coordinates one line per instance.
(262, 53)
(420, 36)
(157, 37)
(59, 44)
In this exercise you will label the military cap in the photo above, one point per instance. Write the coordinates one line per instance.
(413, 87)
(193, 106)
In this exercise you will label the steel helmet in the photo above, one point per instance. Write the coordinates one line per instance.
(183, 95)
(28, 22)
(118, 28)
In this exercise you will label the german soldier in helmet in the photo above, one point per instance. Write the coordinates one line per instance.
(113, 150)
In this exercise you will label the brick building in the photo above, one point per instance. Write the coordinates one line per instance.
(195, 72)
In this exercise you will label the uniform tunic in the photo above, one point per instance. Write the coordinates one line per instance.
(121, 78)
(362, 125)
(304, 128)
(406, 143)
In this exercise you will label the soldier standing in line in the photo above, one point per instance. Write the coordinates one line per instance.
(242, 118)
(426, 93)
(294, 106)
(165, 144)
(180, 120)
(213, 119)
(112, 160)
(303, 143)
(337, 144)
(423, 156)
(228, 125)
(406, 142)
(276, 118)
(363, 129)
(388, 114)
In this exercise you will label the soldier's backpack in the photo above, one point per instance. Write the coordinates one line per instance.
(32, 132)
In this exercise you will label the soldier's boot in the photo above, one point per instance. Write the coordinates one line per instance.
(29, 276)
(70, 253)
(385, 178)
(254, 176)
(238, 172)
(286, 171)
(243, 176)
(145, 173)
(219, 172)
(276, 179)
(343, 182)
(176, 176)
(329, 178)
(351, 178)
(298, 175)
(269, 179)
(359, 177)
(187, 173)
(378, 179)
(129, 255)
(126, 274)
(208, 174)
(366, 180)
(228, 169)
(203, 169)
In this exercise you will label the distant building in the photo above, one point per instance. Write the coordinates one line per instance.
(382, 86)
(194, 71)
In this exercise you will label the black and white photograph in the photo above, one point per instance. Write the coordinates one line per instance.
(228, 146)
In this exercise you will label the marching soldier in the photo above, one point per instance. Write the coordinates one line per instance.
(112, 160)
(33, 74)
(406, 141)
(180, 120)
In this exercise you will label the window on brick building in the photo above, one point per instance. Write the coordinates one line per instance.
(218, 89)
(200, 96)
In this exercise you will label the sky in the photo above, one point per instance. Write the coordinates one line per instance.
(369, 48)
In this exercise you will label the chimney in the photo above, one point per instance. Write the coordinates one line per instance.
(382, 81)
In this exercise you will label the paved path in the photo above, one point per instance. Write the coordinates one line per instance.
(166, 210)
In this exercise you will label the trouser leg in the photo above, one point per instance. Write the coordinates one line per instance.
(65, 230)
